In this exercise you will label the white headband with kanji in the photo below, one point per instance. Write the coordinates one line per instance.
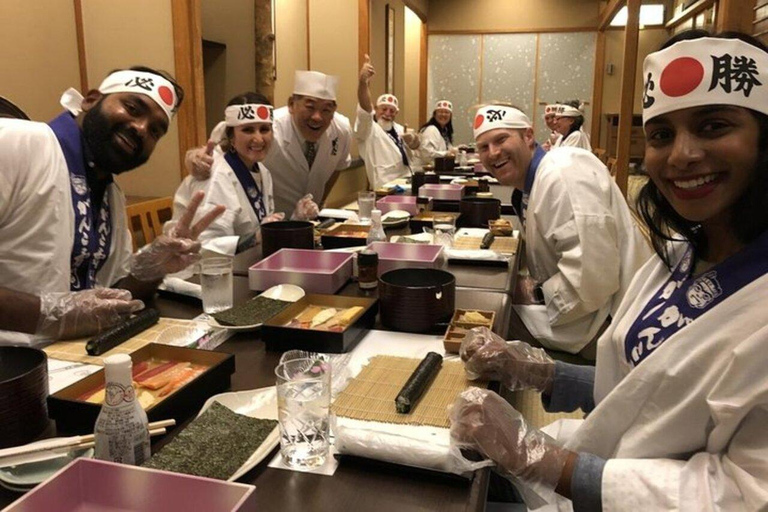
(387, 99)
(128, 80)
(236, 115)
(551, 109)
(491, 117)
(444, 105)
(568, 111)
(705, 71)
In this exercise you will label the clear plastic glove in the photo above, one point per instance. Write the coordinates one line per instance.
(411, 139)
(515, 364)
(306, 209)
(483, 421)
(66, 315)
(199, 161)
(176, 250)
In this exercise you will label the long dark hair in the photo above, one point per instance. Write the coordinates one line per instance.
(446, 132)
(748, 215)
(577, 121)
(243, 99)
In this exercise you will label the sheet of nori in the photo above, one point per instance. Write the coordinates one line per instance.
(214, 445)
(418, 382)
(256, 311)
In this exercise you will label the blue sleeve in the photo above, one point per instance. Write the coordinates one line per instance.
(572, 388)
(587, 483)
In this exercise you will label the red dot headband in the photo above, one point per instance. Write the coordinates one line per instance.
(141, 82)
(705, 71)
(236, 115)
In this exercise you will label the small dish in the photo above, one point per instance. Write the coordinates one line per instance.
(285, 292)
(255, 403)
(23, 477)
(395, 218)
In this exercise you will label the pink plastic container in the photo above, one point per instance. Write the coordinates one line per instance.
(389, 203)
(442, 192)
(88, 485)
(315, 271)
(394, 255)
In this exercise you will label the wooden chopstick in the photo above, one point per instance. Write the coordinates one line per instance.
(155, 428)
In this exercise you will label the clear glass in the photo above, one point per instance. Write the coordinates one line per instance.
(216, 282)
(365, 203)
(445, 229)
(303, 406)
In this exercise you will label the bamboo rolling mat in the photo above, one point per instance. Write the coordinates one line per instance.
(528, 403)
(501, 244)
(167, 331)
(371, 395)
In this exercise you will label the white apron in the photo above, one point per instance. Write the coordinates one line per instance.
(383, 161)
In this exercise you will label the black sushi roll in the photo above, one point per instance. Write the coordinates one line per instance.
(418, 382)
(116, 335)
(487, 241)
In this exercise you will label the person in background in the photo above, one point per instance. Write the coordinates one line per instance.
(65, 250)
(436, 135)
(550, 112)
(582, 245)
(569, 120)
(384, 144)
(311, 142)
(678, 401)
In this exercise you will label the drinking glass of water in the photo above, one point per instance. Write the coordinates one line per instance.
(216, 282)
(365, 202)
(303, 406)
(445, 228)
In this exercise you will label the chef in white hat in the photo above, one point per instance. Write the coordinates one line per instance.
(384, 144)
(569, 122)
(311, 142)
(582, 245)
(437, 134)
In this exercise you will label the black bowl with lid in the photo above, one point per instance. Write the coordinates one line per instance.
(416, 299)
(23, 393)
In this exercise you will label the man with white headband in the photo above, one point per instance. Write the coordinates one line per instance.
(311, 142)
(65, 250)
(582, 245)
(569, 120)
(384, 144)
(677, 402)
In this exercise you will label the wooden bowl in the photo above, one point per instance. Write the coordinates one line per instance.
(477, 211)
(416, 300)
(286, 234)
(23, 393)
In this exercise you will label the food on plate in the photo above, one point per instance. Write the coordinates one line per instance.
(256, 311)
(325, 318)
(418, 382)
(500, 227)
(473, 317)
(153, 380)
(410, 240)
(214, 445)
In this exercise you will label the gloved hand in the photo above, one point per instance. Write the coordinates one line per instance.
(515, 364)
(483, 421)
(199, 161)
(176, 250)
(411, 139)
(65, 315)
(305, 209)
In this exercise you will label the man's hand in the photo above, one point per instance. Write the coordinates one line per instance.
(306, 209)
(411, 138)
(178, 249)
(524, 294)
(198, 161)
(367, 71)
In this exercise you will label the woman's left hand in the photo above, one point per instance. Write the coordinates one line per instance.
(306, 209)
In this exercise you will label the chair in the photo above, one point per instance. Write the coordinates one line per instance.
(147, 214)
(611, 164)
(9, 110)
(599, 153)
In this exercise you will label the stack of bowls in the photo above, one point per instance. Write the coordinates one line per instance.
(416, 299)
(23, 392)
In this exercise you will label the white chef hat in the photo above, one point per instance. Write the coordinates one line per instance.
(445, 105)
(705, 71)
(149, 84)
(568, 111)
(551, 109)
(315, 84)
(491, 117)
(387, 99)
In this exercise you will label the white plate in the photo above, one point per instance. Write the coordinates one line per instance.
(255, 403)
(286, 292)
(23, 477)
(395, 218)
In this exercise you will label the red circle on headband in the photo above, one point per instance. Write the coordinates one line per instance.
(263, 113)
(681, 76)
(479, 120)
(390, 99)
(166, 95)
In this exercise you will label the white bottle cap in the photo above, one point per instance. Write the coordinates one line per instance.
(117, 368)
(376, 215)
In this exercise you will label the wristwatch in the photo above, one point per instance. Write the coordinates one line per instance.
(538, 294)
